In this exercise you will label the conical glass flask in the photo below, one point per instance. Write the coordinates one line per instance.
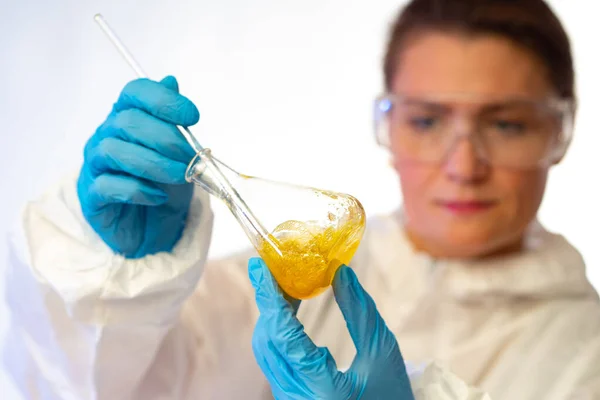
(303, 234)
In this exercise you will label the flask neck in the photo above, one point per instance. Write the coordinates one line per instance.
(219, 180)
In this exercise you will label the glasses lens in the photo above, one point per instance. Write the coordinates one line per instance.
(520, 134)
(420, 130)
(512, 134)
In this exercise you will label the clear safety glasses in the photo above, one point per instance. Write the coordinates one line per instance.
(509, 132)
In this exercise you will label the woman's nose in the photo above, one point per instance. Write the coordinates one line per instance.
(464, 164)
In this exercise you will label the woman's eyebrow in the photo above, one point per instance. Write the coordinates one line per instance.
(432, 105)
(504, 106)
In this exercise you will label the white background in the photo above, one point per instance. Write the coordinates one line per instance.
(284, 88)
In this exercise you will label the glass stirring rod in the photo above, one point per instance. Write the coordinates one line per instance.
(112, 36)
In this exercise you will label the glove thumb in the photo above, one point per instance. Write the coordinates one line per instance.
(170, 82)
(360, 312)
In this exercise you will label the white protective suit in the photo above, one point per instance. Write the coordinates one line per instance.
(89, 324)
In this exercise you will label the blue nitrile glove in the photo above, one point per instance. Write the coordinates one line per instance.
(132, 186)
(297, 369)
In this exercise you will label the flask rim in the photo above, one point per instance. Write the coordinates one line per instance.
(191, 169)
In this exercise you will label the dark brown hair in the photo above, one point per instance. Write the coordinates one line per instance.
(528, 23)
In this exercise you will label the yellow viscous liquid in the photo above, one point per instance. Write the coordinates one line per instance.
(311, 253)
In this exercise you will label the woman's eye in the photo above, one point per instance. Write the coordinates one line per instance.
(509, 127)
(423, 123)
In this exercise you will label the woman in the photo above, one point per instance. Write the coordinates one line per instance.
(478, 106)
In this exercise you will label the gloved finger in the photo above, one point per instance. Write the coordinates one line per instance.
(112, 188)
(170, 82)
(365, 325)
(295, 303)
(269, 296)
(115, 155)
(286, 333)
(159, 100)
(137, 126)
(274, 366)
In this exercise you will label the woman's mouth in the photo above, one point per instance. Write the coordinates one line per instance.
(459, 207)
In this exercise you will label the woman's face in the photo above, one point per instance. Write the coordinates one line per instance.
(464, 206)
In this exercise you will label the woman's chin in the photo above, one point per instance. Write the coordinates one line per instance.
(467, 243)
